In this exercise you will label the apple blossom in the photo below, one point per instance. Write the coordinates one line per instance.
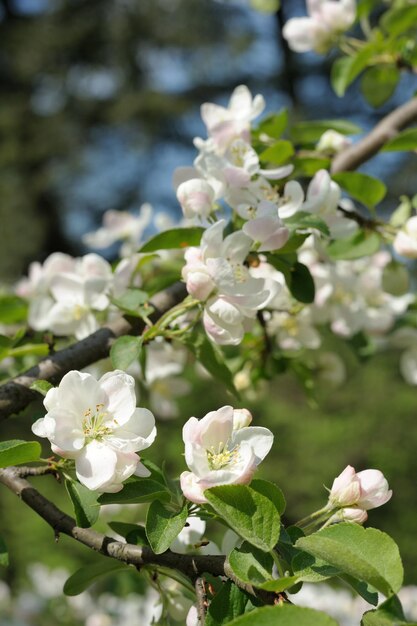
(365, 490)
(226, 124)
(218, 453)
(332, 142)
(96, 423)
(121, 226)
(266, 228)
(405, 242)
(327, 20)
(196, 197)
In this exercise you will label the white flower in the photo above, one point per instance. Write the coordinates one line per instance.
(365, 490)
(405, 242)
(219, 454)
(121, 226)
(332, 142)
(327, 20)
(266, 228)
(196, 198)
(97, 424)
(226, 124)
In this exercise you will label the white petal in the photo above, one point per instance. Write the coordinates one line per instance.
(259, 438)
(118, 388)
(96, 465)
(136, 434)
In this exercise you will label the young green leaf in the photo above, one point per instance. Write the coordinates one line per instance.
(379, 82)
(270, 491)
(367, 189)
(285, 615)
(345, 69)
(273, 125)
(390, 613)
(137, 490)
(228, 603)
(209, 355)
(310, 569)
(362, 243)
(251, 565)
(163, 525)
(86, 507)
(405, 140)
(131, 300)
(366, 554)
(17, 451)
(125, 350)
(399, 20)
(311, 131)
(174, 238)
(86, 576)
(249, 513)
(301, 283)
(278, 153)
(41, 386)
(304, 220)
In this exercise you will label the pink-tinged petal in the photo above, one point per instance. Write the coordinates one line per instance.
(346, 489)
(94, 266)
(259, 439)
(222, 335)
(216, 427)
(191, 431)
(191, 488)
(374, 489)
(199, 285)
(96, 465)
(118, 389)
(196, 198)
(138, 433)
(142, 471)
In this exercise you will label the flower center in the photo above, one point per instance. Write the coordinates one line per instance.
(93, 423)
(222, 457)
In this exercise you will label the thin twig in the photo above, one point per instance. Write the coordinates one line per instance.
(356, 154)
(200, 590)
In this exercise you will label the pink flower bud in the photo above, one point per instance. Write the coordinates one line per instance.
(345, 489)
(241, 418)
(196, 198)
(374, 489)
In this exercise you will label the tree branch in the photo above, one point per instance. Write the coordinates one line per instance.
(386, 129)
(193, 566)
(16, 394)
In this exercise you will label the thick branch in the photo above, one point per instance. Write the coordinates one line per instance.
(387, 129)
(192, 566)
(16, 394)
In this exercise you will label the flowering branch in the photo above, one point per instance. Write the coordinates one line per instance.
(353, 156)
(192, 566)
(16, 394)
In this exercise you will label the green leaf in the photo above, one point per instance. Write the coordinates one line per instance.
(310, 569)
(365, 7)
(366, 554)
(251, 565)
(398, 21)
(4, 555)
(311, 131)
(174, 238)
(41, 386)
(362, 589)
(164, 525)
(86, 507)
(367, 189)
(390, 613)
(131, 301)
(308, 166)
(17, 451)
(249, 513)
(133, 533)
(301, 283)
(12, 309)
(86, 576)
(211, 357)
(402, 213)
(137, 490)
(379, 82)
(265, 6)
(270, 491)
(303, 219)
(228, 603)
(273, 125)
(29, 349)
(346, 69)
(125, 350)
(405, 140)
(280, 152)
(285, 615)
(362, 243)
(293, 243)
(280, 584)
